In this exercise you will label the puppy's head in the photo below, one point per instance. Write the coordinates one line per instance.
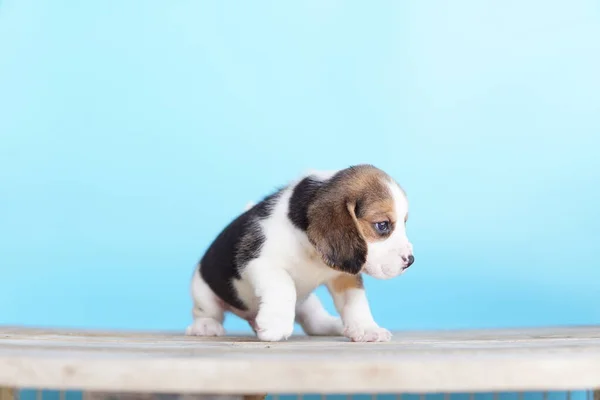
(357, 222)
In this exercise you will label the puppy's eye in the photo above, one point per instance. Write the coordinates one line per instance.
(382, 227)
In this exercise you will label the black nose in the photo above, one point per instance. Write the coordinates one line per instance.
(410, 261)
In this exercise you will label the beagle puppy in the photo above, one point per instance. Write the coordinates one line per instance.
(326, 228)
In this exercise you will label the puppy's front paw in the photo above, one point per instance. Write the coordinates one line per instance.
(205, 327)
(361, 333)
(273, 328)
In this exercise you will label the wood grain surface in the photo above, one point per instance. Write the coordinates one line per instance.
(438, 361)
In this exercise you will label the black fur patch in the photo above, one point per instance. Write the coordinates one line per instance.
(302, 197)
(233, 249)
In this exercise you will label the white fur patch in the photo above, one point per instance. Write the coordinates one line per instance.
(208, 311)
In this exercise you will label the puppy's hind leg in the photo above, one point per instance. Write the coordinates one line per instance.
(315, 320)
(208, 311)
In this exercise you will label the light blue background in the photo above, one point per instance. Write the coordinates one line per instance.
(132, 132)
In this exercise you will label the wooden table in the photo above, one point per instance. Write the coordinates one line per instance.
(415, 362)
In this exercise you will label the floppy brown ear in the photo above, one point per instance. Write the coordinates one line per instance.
(334, 231)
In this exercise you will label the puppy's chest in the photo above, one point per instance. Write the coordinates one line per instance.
(290, 249)
(308, 274)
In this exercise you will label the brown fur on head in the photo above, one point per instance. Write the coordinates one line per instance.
(342, 215)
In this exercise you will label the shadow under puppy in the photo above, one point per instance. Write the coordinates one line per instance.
(325, 228)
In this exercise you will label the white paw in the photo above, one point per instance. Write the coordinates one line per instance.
(361, 333)
(272, 329)
(205, 327)
(330, 326)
